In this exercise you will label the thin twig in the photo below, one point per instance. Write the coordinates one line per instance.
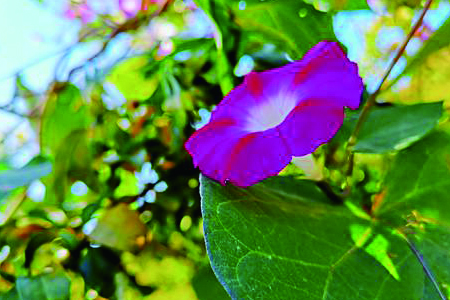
(132, 23)
(371, 101)
(61, 62)
(425, 267)
(97, 54)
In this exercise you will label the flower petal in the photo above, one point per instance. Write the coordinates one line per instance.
(326, 73)
(311, 124)
(226, 153)
(210, 146)
(251, 160)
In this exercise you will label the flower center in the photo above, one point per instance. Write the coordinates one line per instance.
(271, 112)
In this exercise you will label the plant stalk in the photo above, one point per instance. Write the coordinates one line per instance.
(371, 100)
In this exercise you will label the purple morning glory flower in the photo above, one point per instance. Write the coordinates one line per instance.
(275, 115)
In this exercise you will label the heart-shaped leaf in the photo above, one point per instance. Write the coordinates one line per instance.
(270, 243)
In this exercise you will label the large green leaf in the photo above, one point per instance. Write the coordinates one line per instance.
(11, 179)
(395, 128)
(269, 243)
(45, 287)
(433, 243)
(293, 25)
(420, 180)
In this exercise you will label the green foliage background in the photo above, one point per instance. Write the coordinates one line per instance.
(137, 230)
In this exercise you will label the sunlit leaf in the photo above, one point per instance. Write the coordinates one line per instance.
(419, 181)
(128, 184)
(267, 243)
(131, 81)
(340, 4)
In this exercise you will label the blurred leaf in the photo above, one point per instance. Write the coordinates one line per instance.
(217, 12)
(125, 289)
(395, 128)
(205, 284)
(350, 4)
(11, 179)
(128, 184)
(119, 228)
(168, 273)
(129, 78)
(88, 211)
(64, 112)
(419, 181)
(181, 291)
(265, 243)
(48, 286)
(36, 241)
(293, 25)
(72, 162)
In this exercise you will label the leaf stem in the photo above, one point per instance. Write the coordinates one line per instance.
(371, 100)
(425, 268)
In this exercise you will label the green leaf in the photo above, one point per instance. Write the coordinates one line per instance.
(217, 12)
(433, 243)
(72, 162)
(419, 181)
(45, 287)
(110, 229)
(128, 184)
(65, 112)
(293, 25)
(351, 4)
(11, 179)
(268, 243)
(343, 4)
(130, 79)
(395, 128)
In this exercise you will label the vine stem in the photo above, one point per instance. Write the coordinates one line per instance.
(371, 100)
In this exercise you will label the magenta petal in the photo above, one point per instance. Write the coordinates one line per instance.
(310, 125)
(210, 147)
(225, 153)
(257, 156)
(337, 81)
